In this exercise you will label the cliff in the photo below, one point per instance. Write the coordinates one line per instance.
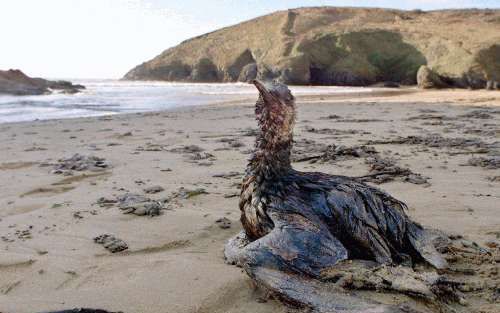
(340, 46)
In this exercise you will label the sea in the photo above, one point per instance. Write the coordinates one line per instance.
(108, 97)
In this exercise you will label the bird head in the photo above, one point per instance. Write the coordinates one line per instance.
(275, 109)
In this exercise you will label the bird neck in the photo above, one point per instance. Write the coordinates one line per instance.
(271, 159)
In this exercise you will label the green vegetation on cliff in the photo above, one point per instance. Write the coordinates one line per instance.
(339, 46)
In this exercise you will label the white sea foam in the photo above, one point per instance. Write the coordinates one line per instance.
(104, 97)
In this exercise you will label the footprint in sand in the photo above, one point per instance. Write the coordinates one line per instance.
(60, 186)
(5, 289)
(44, 191)
(15, 165)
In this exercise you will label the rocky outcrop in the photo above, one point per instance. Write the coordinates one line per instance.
(15, 82)
(340, 46)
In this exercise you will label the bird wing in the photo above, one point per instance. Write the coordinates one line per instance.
(368, 220)
(358, 203)
(377, 221)
(369, 206)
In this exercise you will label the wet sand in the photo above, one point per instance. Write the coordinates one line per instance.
(184, 168)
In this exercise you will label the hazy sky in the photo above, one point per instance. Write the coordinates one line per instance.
(106, 38)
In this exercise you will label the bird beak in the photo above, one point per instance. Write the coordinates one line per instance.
(265, 93)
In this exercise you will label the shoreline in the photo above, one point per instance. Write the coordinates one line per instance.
(174, 261)
(461, 96)
(113, 97)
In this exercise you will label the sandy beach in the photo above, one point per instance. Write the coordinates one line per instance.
(186, 165)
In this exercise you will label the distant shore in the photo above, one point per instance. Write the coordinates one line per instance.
(16, 83)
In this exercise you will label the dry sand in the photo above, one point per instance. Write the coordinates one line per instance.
(174, 261)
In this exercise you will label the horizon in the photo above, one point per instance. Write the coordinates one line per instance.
(123, 34)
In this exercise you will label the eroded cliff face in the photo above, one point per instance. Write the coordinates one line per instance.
(340, 46)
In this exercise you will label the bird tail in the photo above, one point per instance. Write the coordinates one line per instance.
(422, 242)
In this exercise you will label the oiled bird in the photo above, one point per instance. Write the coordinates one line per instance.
(305, 222)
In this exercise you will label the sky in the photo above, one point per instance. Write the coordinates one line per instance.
(106, 38)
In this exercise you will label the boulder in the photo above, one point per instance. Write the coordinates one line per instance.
(248, 73)
(426, 79)
(491, 85)
(235, 70)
